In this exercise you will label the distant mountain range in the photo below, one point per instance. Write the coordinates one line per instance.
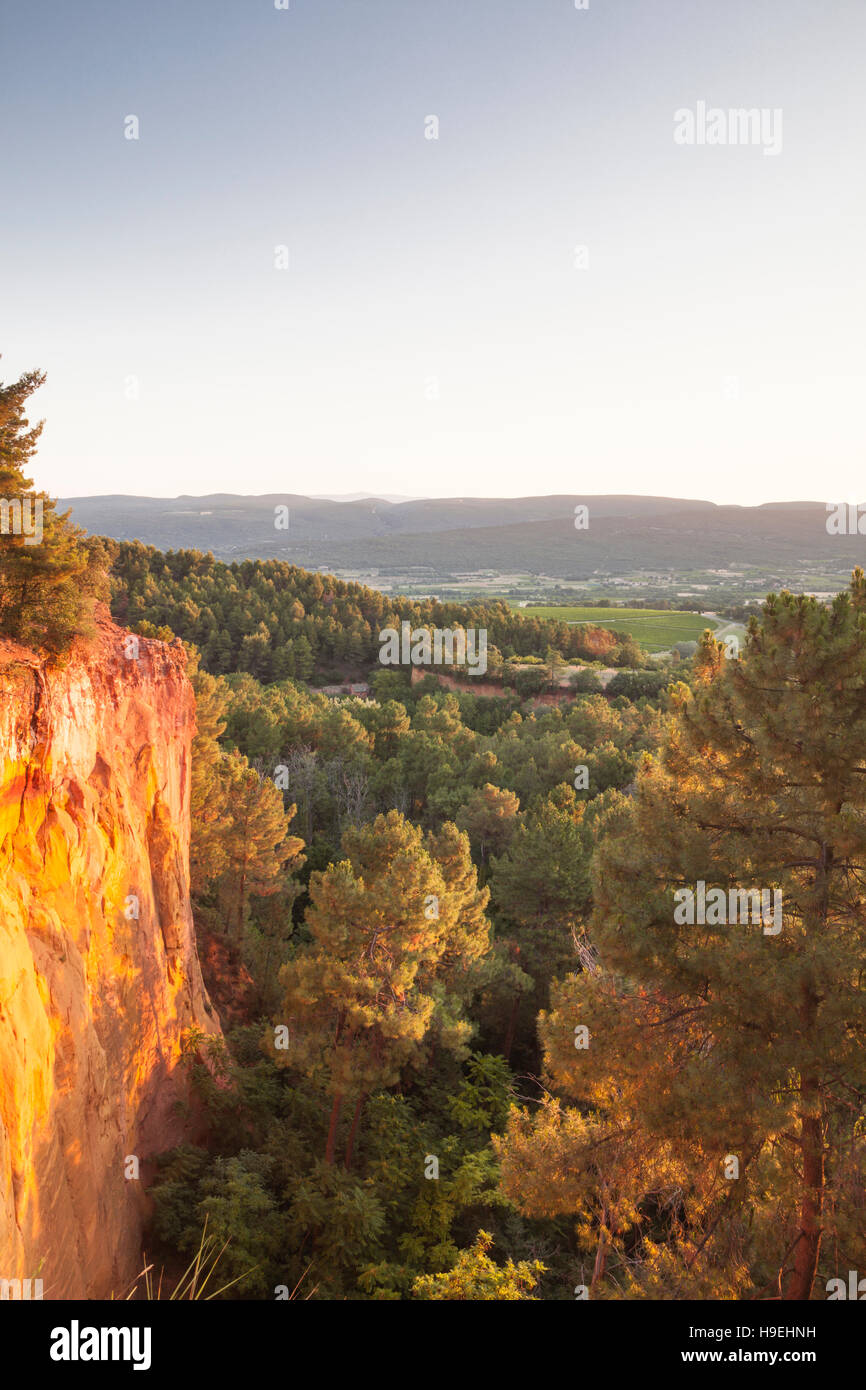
(440, 537)
(361, 496)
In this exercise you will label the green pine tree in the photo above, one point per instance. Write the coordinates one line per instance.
(386, 923)
(50, 576)
(722, 1071)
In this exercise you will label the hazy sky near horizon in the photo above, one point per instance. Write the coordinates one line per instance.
(435, 333)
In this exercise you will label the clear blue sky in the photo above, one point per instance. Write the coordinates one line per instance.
(714, 346)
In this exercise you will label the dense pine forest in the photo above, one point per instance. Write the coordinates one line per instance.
(477, 1055)
(354, 1107)
(275, 620)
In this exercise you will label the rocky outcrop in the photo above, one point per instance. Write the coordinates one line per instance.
(99, 976)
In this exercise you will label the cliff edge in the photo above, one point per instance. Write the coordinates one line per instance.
(99, 975)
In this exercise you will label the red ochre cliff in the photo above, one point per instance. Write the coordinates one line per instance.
(94, 1001)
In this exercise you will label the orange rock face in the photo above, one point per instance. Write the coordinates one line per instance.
(99, 976)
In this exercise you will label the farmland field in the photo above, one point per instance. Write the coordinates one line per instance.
(655, 629)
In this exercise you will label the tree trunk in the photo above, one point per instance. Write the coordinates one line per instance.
(512, 1023)
(242, 883)
(332, 1129)
(350, 1143)
(600, 1258)
(808, 1245)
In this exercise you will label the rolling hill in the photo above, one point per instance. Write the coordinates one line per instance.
(437, 538)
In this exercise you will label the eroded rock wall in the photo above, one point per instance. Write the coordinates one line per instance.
(94, 999)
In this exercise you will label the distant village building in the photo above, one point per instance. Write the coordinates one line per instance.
(360, 689)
